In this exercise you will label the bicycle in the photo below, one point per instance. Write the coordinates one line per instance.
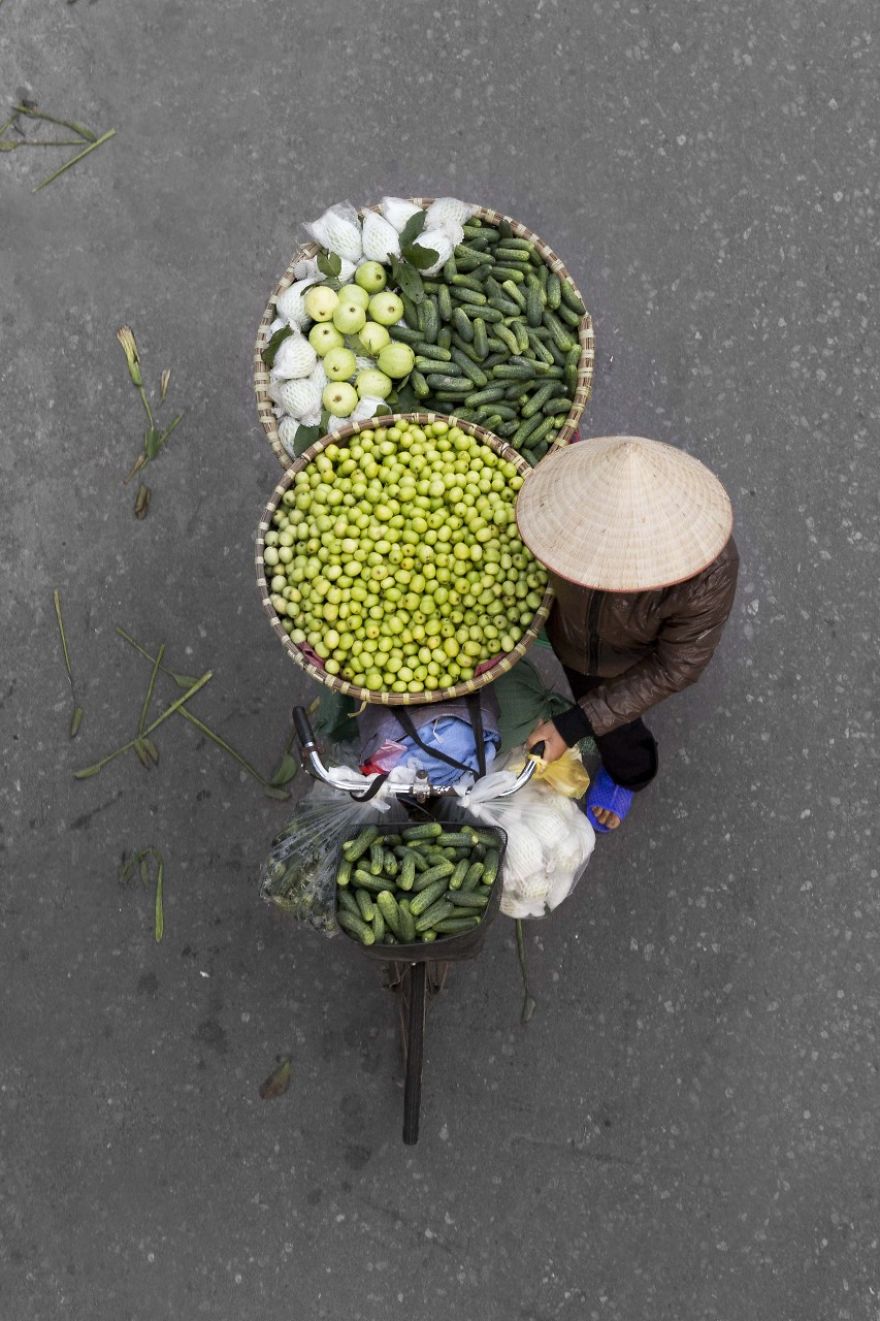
(421, 975)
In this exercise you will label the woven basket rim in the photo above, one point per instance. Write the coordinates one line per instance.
(334, 682)
(586, 337)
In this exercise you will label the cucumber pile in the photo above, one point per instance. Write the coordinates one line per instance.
(421, 884)
(496, 340)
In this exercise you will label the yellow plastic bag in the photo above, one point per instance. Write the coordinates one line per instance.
(567, 774)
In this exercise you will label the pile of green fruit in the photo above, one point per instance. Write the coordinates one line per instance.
(396, 558)
(420, 884)
(495, 339)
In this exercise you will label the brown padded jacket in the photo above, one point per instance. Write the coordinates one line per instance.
(645, 645)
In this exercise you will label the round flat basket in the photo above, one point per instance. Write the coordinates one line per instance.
(312, 666)
(583, 389)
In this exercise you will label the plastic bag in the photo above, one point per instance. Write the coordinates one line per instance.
(549, 841)
(299, 874)
(567, 774)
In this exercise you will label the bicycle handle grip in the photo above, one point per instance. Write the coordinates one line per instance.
(301, 724)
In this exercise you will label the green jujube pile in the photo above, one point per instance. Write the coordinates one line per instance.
(398, 561)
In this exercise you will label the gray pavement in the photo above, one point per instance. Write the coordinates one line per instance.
(688, 1127)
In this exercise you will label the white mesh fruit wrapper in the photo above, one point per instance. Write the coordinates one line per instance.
(295, 358)
(338, 230)
(380, 239)
(319, 376)
(298, 397)
(289, 304)
(449, 211)
(366, 409)
(287, 429)
(397, 211)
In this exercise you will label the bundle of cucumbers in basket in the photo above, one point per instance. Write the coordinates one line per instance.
(421, 883)
(495, 339)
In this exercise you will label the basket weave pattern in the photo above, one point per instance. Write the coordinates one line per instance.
(584, 386)
(335, 682)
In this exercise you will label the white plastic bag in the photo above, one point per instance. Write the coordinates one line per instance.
(549, 841)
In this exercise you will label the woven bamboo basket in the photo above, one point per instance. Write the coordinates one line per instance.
(341, 438)
(584, 386)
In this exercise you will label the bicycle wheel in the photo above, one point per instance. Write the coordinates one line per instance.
(414, 997)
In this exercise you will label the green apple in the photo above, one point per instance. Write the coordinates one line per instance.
(373, 384)
(396, 360)
(353, 293)
(349, 318)
(320, 302)
(339, 398)
(339, 364)
(371, 276)
(373, 337)
(323, 337)
(386, 308)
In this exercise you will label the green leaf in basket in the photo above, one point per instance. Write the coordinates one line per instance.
(329, 263)
(384, 411)
(305, 436)
(394, 264)
(407, 400)
(412, 229)
(271, 349)
(287, 769)
(421, 258)
(411, 283)
(325, 421)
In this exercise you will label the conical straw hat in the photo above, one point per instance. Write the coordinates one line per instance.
(623, 514)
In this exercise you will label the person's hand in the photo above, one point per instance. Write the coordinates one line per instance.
(548, 734)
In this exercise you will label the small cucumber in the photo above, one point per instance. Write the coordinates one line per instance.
(547, 426)
(505, 254)
(355, 926)
(453, 926)
(434, 352)
(378, 923)
(539, 398)
(343, 875)
(481, 338)
(490, 868)
(559, 404)
(407, 922)
(468, 899)
(554, 290)
(469, 367)
(428, 365)
(504, 306)
(512, 273)
(431, 319)
(345, 899)
(387, 906)
(355, 848)
(444, 335)
(570, 318)
(377, 858)
(439, 872)
(520, 329)
(560, 335)
(407, 874)
(488, 314)
(520, 245)
(459, 384)
(457, 877)
(527, 428)
(534, 307)
(419, 384)
(444, 303)
(473, 254)
(436, 913)
(462, 324)
(449, 269)
(490, 395)
(474, 876)
(430, 895)
(505, 229)
(571, 299)
(427, 937)
(368, 881)
(507, 337)
(365, 904)
(514, 293)
(405, 334)
(467, 282)
(465, 838)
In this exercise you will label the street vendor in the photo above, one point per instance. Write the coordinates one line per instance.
(636, 536)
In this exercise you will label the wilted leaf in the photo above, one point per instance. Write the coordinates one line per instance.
(412, 228)
(142, 501)
(183, 680)
(152, 750)
(76, 721)
(287, 769)
(164, 382)
(528, 1009)
(144, 869)
(87, 773)
(421, 258)
(269, 352)
(407, 400)
(142, 755)
(278, 1081)
(159, 906)
(273, 791)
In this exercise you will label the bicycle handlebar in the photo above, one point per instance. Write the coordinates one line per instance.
(419, 788)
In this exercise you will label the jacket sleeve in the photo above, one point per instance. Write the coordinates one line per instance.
(685, 643)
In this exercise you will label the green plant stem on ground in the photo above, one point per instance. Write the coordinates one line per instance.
(105, 137)
(126, 747)
(267, 785)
